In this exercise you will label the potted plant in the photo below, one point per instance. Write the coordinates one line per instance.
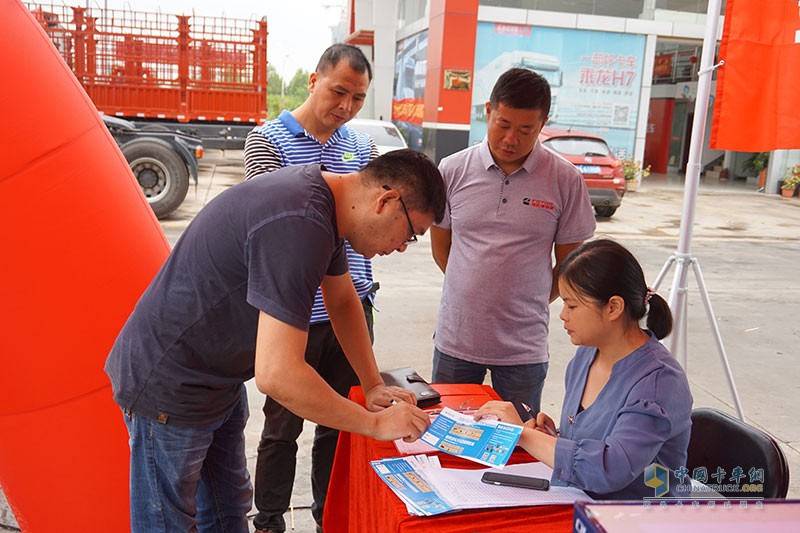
(758, 164)
(790, 181)
(633, 172)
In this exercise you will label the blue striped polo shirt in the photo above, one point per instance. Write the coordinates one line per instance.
(282, 142)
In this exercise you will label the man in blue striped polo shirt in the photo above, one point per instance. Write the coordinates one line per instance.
(315, 132)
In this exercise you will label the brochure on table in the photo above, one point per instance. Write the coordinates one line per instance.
(421, 483)
(404, 476)
(488, 442)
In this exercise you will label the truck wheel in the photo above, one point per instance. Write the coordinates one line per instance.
(161, 174)
(605, 211)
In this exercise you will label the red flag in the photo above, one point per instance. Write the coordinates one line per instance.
(757, 107)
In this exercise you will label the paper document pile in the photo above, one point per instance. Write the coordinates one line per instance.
(428, 489)
(404, 476)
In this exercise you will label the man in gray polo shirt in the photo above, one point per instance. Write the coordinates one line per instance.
(511, 204)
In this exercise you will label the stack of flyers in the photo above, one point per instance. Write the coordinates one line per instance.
(406, 477)
(488, 442)
(420, 482)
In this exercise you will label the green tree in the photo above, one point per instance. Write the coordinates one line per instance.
(299, 84)
(294, 93)
(274, 80)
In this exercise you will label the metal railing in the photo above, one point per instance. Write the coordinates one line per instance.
(154, 65)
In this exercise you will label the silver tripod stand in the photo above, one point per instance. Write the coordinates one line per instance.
(682, 258)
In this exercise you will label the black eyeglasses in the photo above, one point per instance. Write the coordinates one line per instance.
(413, 237)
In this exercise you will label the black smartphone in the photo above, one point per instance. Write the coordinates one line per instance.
(510, 480)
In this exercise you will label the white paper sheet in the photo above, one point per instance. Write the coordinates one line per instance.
(413, 448)
(464, 489)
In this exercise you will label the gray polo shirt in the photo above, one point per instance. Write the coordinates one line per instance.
(495, 300)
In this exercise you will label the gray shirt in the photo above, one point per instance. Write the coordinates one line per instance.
(495, 300)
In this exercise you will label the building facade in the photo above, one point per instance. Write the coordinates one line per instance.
(626, 71)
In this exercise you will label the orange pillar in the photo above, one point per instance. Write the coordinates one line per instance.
(184, 106)
(79, 245)
(451, 62)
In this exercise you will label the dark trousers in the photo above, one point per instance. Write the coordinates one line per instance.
(277, 451)
(517, 384)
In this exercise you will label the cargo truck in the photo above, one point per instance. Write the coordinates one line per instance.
(201, 75)
(181, 83)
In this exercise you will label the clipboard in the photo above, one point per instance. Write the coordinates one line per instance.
(407, 378)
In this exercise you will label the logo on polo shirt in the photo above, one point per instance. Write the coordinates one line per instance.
(544, 204)
(348, 156)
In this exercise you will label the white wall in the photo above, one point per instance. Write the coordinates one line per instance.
(779, 161)
(385, 25)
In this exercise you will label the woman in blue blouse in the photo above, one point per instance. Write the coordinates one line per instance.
(627, 402)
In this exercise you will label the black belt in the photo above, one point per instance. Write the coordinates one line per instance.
(372, 289)
(371, 292)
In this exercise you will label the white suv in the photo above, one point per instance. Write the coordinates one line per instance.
(385, 134)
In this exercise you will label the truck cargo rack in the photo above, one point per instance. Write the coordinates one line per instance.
(154, 66)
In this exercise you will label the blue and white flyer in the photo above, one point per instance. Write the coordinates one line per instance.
(405, 476)
(488, 442)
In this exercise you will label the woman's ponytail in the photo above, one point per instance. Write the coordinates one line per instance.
(659, 316)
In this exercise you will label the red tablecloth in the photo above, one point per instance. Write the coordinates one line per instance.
(359, 501)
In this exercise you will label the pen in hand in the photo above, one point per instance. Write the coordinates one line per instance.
(550, 431)
(528, 410)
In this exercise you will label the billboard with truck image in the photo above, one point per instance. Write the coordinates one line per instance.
(595, 77)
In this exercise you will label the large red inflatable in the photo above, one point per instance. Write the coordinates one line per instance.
(78, 246)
